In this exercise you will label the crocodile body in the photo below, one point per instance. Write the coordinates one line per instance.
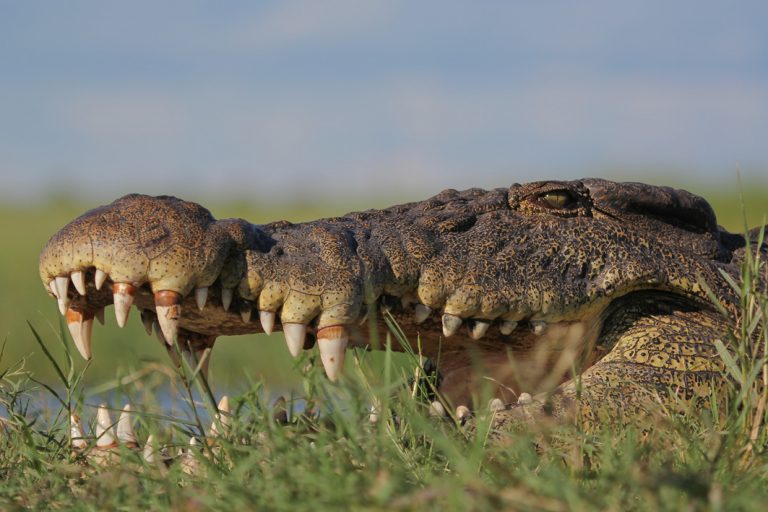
(588, 294)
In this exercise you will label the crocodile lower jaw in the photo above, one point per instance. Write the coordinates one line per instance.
(529, 353)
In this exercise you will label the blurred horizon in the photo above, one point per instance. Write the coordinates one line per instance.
(323, 101)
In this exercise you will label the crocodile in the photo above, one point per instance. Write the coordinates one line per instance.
(590, 299)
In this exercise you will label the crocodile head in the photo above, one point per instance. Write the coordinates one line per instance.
(516, 288)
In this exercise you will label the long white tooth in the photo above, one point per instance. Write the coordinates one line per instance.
(524, 399)
(245, 312)
(100, 315)
(99, 278)
(223, 405)
(538, 326)
(374, 411)
(76, 432)
(507, 327)
(267, 319)
(52, 287)
(451, 324)
(86, 336)
(62, 286)
(168, 309)
(74, 324)
(201, 297)
(332, 343)
(80, 326)
(125, 432)
(226, 298)
(122, 296)
(294, 337)
(463, 413)
(222, 416)
(62, 293)
(106, 438)
(437, 410)
(64, 305)
(421, 312)
(78, 279)
(479, 329)
(496, 405)
(150, 453)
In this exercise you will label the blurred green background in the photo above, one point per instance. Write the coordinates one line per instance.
(23, 298)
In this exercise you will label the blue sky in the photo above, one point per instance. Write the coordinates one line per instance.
(324, 98)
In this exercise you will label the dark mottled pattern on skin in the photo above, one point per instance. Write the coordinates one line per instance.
(614, 271)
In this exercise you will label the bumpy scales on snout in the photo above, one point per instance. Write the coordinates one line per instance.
(587, 294)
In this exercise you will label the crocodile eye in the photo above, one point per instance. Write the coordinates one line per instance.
(560, 199)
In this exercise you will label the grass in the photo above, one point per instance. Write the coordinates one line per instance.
(701, 460)
(407, 460)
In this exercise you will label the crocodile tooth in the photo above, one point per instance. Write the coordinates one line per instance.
(245, 312)
(122, 296)
(332, 343)
(189, 463)
(76, 432)
(463, 413)
(78, 279)
(150, 453)
(294, 337)
(421, 312)
(538, 326)
(223, 405)
(168, 308)
(267, 319)
(479, 329)
(125, 432)
(374, 411)
(99, 278)
(104, 434)
(222, 417)
(524, 399)
(451, 324)
(496, 405)
(52, 287)
(100, 315)
(201, 297)
(62, 291)
(437, 410)
(148, 319)
(226, 298)
(80, 326)
(86, 334)
(507, 326)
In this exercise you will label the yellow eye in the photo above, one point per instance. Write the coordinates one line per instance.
(559, 199)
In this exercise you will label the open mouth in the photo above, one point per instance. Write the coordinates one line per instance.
(510, 356)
